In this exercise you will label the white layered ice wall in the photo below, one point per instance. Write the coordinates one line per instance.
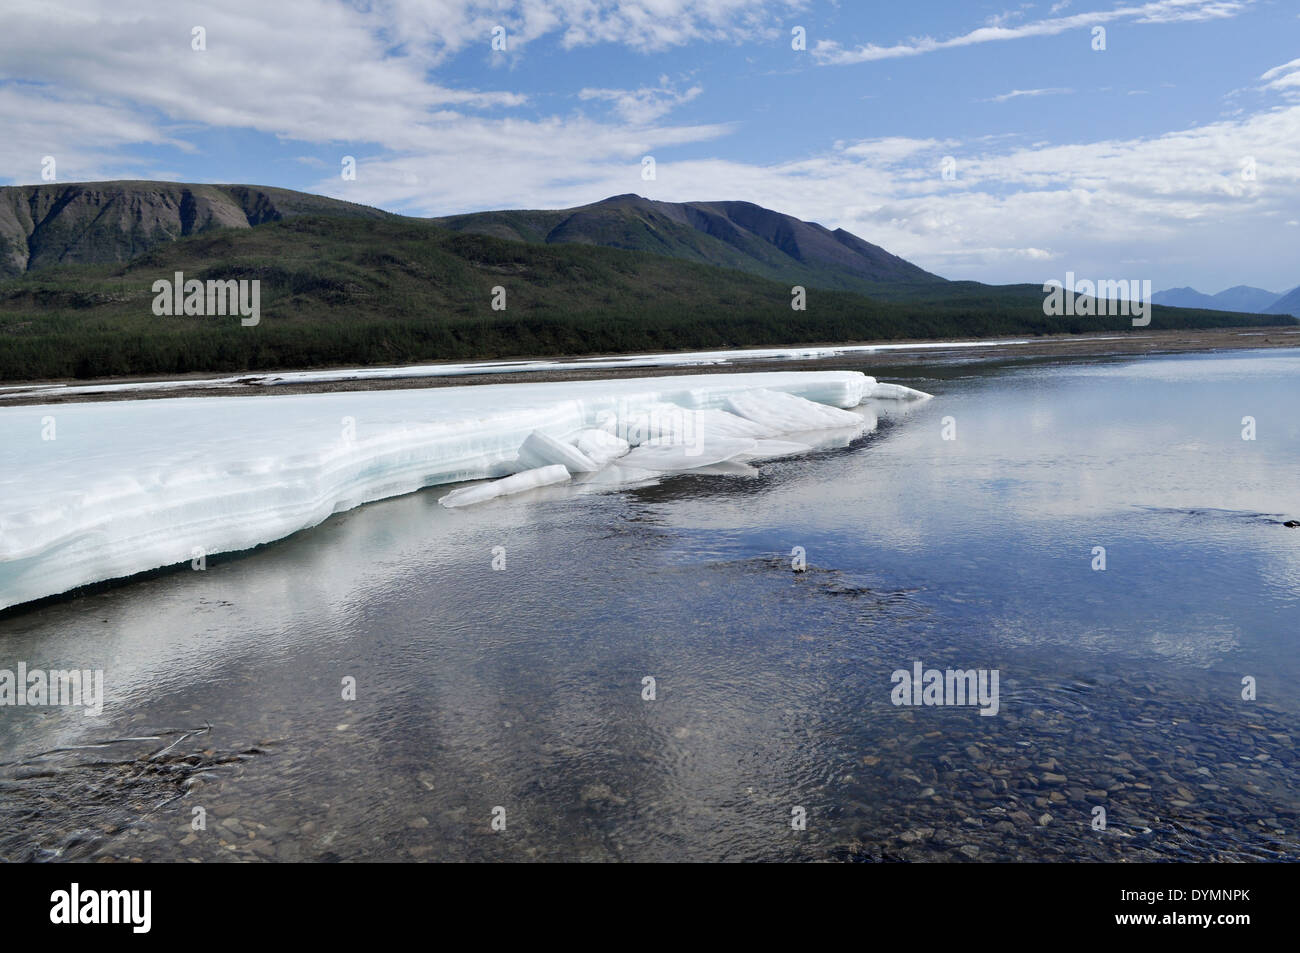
(94, 491)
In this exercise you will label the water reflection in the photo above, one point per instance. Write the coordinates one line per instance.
(522, 688)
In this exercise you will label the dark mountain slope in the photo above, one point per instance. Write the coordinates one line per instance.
(99, 222)
(737, 235)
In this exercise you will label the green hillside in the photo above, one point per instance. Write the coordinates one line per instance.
(354, 290)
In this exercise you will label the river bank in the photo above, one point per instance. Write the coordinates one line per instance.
(868, 356)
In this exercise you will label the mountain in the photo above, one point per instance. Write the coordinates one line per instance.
(736, 235)
(346, 291)
(343, 284)
(97, 222)
(1245, 298)
(1182, 298)
(102, 222)
(1241, 298)
(1289, 303)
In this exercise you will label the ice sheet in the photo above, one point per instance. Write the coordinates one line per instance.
(96, 491)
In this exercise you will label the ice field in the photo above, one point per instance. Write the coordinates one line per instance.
(97, 491)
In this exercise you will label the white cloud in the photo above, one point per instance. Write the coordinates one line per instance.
(1017, 93)
(644, 25)
(892, 150)
(1014, 212)
(100, 76)
(1285, 78)
(105, 83)
(1158, 11)
(645, 105)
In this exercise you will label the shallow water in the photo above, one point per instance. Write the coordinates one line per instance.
(522, 688)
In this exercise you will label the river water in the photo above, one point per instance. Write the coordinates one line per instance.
(518, 695)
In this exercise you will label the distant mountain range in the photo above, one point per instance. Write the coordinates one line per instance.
(1241, 298)
(1289, 303)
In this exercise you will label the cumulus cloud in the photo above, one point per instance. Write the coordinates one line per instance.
(95, 76)
(94, 86)
(1011, 211)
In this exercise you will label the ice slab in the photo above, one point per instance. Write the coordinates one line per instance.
(732, 468)
(772, 449)
(896, 392)
(516, 483)
(616, 475)
(541, 450)
(665, 421)
(670, 455)
(600, 446)
(95, 491)
(785, 413)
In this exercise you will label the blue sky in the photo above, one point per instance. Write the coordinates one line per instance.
(1126, 161)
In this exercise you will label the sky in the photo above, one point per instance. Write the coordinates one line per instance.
(981, 140)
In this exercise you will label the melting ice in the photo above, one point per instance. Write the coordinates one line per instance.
(99, 491)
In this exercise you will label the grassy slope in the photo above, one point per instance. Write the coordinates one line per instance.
(337, 292)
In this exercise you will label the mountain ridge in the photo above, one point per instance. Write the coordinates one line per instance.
(1288, 303)
(1243, 299)
(731, 234)
(48, 225)
(43, 226)
(79, 223)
